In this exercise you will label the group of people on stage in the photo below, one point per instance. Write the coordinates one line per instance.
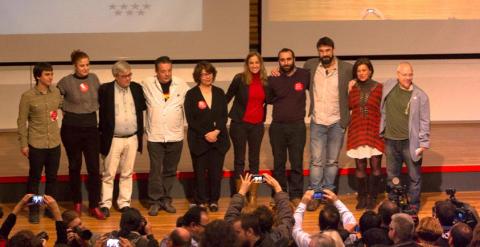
(391, 118)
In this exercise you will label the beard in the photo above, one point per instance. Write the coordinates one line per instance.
(287, 68)
(326, 60)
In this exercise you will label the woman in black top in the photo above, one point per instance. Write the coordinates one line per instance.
(206, 113)
(79, 130)
(248, 117)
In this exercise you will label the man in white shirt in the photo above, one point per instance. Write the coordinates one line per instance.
(329, 113)
(302, 238)
(165, 132)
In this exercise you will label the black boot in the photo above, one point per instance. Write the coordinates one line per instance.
(374, 187)
(362, 193)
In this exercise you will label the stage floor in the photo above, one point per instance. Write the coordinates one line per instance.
(164, 222)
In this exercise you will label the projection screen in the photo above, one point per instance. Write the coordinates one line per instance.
(32, 30)
(372, 27)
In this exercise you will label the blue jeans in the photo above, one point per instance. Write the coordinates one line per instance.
(325, 145)
(397, 153)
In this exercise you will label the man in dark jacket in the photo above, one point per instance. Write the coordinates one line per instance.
(256, 228)
(121, 130)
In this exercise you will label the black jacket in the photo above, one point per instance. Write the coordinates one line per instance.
(201, 119)
(106, 123)
(239, 89)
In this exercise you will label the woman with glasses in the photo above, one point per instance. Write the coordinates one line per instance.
(206, 113)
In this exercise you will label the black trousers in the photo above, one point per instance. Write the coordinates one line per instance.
(86, 141)
(208, 169)
(243, 134)
(288, 138)
(164, 158)
(39, 158)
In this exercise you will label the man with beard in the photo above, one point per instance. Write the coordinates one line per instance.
(329, 115)
(287, 130)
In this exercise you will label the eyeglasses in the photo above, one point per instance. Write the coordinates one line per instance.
(126, 76)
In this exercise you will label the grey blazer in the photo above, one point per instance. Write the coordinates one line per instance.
(344, 76)
(418, 119)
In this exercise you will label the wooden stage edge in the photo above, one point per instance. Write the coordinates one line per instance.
(164, 222)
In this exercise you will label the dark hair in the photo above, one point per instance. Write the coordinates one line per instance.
(250, 220)
(362, 61)
(218, 233)
(178, 240)
(162, 59)
(286, 50)
(68, 216)
(39, 68)
(193, 215)
(325, 41)
(77, 55)
(329, 218)
(375, 236)
(24, 238)
(265, 218)
(369, 220)
(203, 65)
(445, 212)
(476, 236)
(386, 209)
(461, 235)
(131, 220)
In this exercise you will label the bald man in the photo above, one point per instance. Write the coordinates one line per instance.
(180, 237)
(405, 125)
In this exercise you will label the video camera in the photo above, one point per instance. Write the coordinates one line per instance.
(398, 194)
(84, 234)
(464, 212)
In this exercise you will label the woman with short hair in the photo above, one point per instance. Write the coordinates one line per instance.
(206, 113)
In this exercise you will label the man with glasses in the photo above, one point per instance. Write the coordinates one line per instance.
(121, 130)
(405, 124)
(401, 230)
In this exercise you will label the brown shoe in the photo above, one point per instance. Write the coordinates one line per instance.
(313, 205)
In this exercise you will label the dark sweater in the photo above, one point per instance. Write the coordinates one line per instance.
(287, 94)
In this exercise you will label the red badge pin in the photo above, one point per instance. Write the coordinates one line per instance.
(298, 86)
(83, 87)
(53, 116)
(202, 105)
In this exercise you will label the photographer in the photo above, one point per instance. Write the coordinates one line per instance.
(329, 218)
(444, 211)
(135, 228)
(77, 233)
(260, 220)
(11, 219)
(194, 221)
(21, 236)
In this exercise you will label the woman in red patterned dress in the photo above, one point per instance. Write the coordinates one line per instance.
(364, 143)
